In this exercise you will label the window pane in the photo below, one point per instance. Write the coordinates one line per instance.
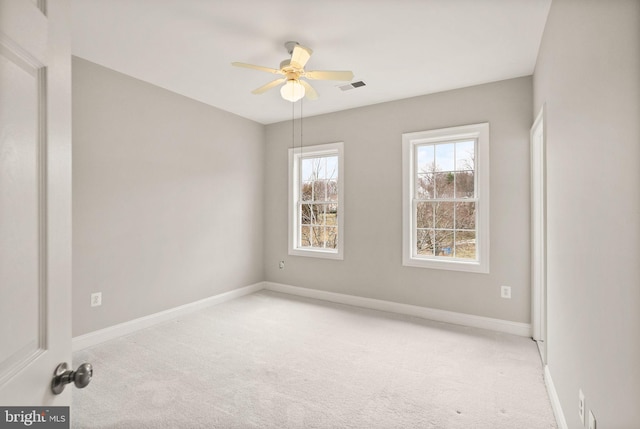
(314, 214)
(307, 191)
(330, 214)
(466, 244)
(444, 215)
(425, 157)
(320, 190)
(331, 169)
(317, 236)
(321, 167)
(465, 215)
(465, 155)
(424, 242)
(332, 190)
(308, 171)
(323, 215)
(424, 215)
(445, 157)
(331, 237)
(306, 215)
(332, 209)
(465, 184)
(305, 236)
(425, 187)
(444, 185)
(444, 243)
(317, 214)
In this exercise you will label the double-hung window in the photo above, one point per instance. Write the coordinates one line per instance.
(446, 198)
(316, 201)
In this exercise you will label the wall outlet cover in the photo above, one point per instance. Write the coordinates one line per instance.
(581, 405)
(505, 292)
(96, 299)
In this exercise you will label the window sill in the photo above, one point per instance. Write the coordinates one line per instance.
(317, 253)
(451, 265)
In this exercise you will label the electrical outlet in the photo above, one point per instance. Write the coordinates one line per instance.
(281, 265)
(96, 299)
(505, 292)
(581, 406)
(592, 420)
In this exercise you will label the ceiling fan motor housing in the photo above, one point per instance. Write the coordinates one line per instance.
(290, 45)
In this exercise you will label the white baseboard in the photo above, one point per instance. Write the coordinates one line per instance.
(555, 401)
(516, 328)
(102, 335)
(97, 337)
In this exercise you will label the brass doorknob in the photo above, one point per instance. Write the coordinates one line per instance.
(63, 376)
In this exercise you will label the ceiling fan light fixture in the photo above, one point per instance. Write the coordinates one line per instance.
(292, 91)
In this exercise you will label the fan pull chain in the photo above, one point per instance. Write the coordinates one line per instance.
(299, 163)
(301, 159)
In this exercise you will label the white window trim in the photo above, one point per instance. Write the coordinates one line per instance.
(479, 132)
(294, 195)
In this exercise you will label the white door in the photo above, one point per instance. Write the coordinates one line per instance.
(35, 200)
(538, 236)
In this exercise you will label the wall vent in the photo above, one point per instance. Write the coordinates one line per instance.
(352, 85)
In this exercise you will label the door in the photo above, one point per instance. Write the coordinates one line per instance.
(538, 235)
(35, 200)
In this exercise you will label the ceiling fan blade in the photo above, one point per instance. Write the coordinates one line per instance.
(265, 88)
(255, 67)
(309, 92)
(300, 55)
(329, 75)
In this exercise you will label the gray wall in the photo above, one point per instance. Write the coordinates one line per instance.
(167, 198)
(588, 75)
(372, 265)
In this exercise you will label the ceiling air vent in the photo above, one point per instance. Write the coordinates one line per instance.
(352, 85)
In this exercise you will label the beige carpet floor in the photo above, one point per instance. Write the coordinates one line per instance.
(270, 360)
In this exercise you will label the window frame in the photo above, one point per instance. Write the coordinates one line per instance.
(479, 133)
(296, 155)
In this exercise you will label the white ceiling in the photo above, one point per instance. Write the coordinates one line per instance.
(399, 48)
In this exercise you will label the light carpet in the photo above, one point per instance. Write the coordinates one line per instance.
(271, 360)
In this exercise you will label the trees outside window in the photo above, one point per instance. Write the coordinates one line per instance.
(319, 206)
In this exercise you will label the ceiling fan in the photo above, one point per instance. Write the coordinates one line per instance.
(292, 69)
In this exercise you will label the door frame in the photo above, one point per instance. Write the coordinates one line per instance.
(539, 233)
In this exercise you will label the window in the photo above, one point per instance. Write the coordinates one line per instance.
(446, 198)
(316, 195)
